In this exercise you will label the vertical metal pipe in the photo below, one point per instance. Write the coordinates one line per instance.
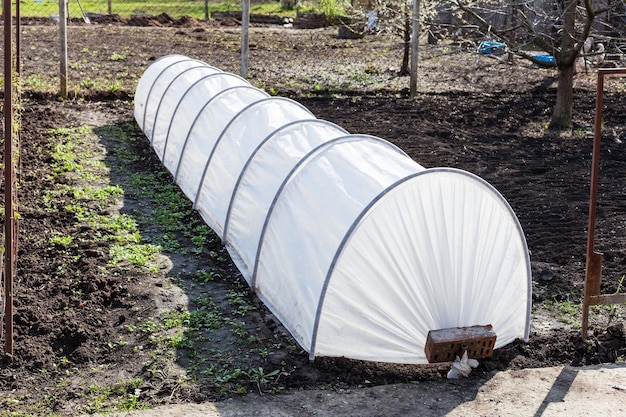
(593, 265)
(63, 48)
(595, 163)
(415, 37)
(18, 37)
(245, 27)
(9, 213)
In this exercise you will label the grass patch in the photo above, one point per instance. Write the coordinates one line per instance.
(89, 195)
(122, 396)
(126, 9)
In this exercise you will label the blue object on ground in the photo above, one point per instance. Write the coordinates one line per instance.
(372, 20)
(491, 47)
(546, 59)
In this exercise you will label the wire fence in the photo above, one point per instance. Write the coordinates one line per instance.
(199, 9)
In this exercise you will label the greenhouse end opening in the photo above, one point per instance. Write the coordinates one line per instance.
(356, 248)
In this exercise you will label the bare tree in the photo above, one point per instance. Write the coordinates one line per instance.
(393, 16)
(396, 17)
(565, 29)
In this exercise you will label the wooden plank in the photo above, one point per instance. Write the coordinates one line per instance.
(607, 299)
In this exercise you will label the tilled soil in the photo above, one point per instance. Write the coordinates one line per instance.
(477, 113)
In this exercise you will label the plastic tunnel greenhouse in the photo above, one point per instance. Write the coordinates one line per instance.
(357, 249)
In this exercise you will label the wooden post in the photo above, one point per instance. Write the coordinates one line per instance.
(245, 24)
(111, 8)
(63, 48)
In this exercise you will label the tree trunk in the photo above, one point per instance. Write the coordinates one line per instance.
(565, 61)
(404, 70)
(562, 116)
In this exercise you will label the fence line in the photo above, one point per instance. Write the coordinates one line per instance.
(199, 9)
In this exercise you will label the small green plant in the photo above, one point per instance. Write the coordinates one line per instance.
(566, 307)
(114, 86)
(168, 242)
(114, 345)
(262, 378)
(59, 240)
(117, 57)
(238, 328)
(202, 276)
(143, 255)
(122, 396)
(237, 299)
(34, 81)
(88, 84)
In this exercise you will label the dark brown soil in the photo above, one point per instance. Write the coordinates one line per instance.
(74, 310)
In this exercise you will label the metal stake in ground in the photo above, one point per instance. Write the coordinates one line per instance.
(9, 173)
(593, 270)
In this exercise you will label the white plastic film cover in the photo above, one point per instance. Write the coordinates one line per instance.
(236, 144)
(309, 219)
(206, 127)
(260, 180)
(175, 96)
(179, 110)
(146, 83)
(163, 72)
(440, 250)
(187, 111)
(356, 248)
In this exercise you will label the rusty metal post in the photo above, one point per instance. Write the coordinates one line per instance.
(9, 212)
(18, 38)
(593, 269)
